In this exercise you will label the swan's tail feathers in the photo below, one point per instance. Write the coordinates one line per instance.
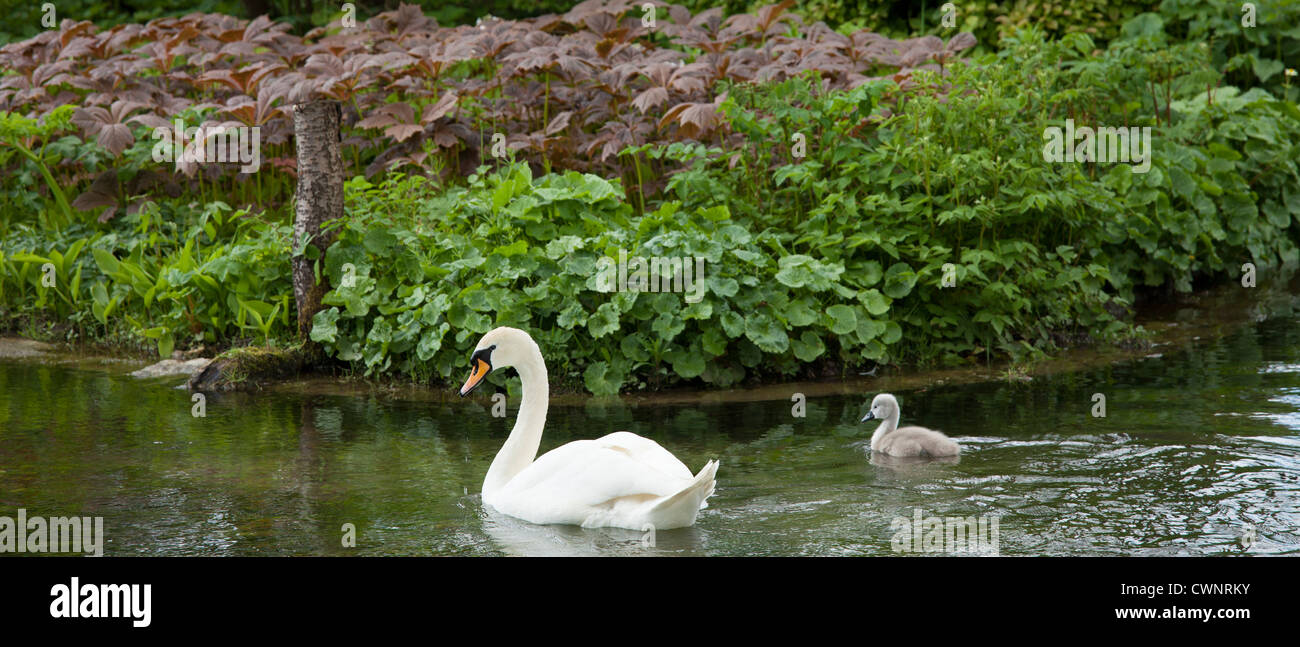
(712, 468)
(680, 509)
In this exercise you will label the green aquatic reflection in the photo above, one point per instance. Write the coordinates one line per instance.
(1197, 443)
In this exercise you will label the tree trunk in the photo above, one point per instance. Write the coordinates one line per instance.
(319, 199)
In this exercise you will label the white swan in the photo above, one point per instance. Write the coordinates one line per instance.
(621, 480)
(907, 441)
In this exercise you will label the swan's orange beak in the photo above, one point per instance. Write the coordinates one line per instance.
(479, 371)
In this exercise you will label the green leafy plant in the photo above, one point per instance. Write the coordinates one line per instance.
(1252, 45)
(18, 133)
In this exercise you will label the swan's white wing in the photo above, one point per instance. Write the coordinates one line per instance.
(570, 483)
(646, 451)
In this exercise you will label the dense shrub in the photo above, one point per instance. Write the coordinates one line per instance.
(566, 91)
(1253, 54)
(837, 259)
(989, 20)
(169, 273)
(828, 218)
(24, 19)
(1222, 156)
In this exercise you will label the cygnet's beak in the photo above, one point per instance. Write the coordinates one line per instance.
(870, 416)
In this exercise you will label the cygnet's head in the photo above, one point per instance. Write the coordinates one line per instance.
(883, 407)
(499, 348)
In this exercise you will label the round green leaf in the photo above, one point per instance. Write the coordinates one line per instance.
(808, 346)
(843, 319)
(899, 279)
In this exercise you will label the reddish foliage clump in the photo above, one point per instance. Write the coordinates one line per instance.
(569, 91)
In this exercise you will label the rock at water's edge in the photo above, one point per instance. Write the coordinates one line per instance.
(169, 367)
(14, 347)
(247, 368)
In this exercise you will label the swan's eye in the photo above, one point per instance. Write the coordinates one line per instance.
(480, 366)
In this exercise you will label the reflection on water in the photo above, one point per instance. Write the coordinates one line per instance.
(1198, 445)
(511, 536)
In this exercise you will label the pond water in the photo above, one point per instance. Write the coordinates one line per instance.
(1199, 447)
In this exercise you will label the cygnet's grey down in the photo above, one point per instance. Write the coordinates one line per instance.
(905, 441)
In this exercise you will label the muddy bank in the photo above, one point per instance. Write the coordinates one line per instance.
(1169, 327)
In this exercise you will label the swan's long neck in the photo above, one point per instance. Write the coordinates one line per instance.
(888, 425)
(520, 448)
